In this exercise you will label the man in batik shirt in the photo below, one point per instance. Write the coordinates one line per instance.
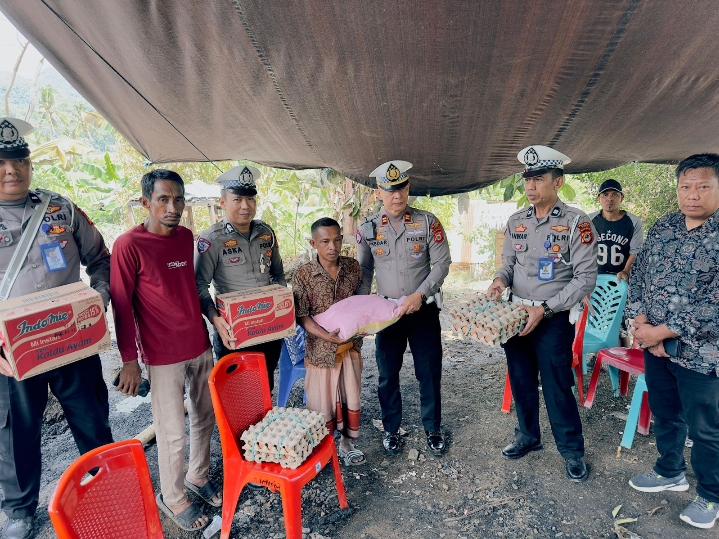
(674, 300)
(334, 367)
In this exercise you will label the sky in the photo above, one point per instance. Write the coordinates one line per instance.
(10, 46)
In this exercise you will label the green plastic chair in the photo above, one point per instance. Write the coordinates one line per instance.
(605, 316)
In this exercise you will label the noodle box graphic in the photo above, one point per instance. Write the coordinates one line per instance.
(45, 330)
(259, 314)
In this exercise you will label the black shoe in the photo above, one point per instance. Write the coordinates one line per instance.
(18, 528)
(392, 443)
(436, 442)
(577, 470)
(517, 450)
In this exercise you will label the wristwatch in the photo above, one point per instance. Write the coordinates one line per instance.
(424, 298)
(548, 313)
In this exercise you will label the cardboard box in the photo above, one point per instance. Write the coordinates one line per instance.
(45, 330)
(259, 314)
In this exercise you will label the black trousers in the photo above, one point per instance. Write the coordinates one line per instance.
(680, 397)
(423, 332)
(271, 349)
(546, 351)
(81, 390)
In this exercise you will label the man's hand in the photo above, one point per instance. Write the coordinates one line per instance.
(411, 304)
(623, 276)
(495, 289)
(5, 367)
(536, 314)
(658, 350)
(649, 336)
(334, 337)
(223, 330)
(130, 378)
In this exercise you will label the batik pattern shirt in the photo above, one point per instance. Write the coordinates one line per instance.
(675, 281)
(315, 292)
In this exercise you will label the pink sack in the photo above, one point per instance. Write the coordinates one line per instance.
(360, 315)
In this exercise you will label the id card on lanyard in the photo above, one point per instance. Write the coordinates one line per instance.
(545, 269)
(53, 256)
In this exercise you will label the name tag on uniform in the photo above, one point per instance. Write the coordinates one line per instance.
(53, 256)
(545, 269)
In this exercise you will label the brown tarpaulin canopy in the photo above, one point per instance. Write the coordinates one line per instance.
(455, 87)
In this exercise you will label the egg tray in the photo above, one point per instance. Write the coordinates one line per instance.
(489, 322)
(285, 436)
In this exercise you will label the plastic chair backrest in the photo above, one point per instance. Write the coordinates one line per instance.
(578, 344)
(243, 398)
(295, 346)
(608, 300)
(118, 501)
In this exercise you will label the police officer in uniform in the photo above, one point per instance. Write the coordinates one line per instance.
(60, 238)
(620, 234)
(549, 259)
(238, 253)
(408, 250)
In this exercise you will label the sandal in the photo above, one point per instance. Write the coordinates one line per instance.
(207, 491)
(185, 519)
(353, 457)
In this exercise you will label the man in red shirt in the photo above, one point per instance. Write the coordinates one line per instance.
(157, 314)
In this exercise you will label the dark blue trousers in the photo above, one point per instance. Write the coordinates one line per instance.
(681, 398)
(546, 352)
(81, 390)
(423, 332)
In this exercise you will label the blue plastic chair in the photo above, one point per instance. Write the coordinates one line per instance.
(289, 374)
(633, 418)
(605, 317)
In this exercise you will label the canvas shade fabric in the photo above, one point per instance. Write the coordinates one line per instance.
(455, 87)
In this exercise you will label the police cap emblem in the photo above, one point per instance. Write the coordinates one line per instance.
(531, 157)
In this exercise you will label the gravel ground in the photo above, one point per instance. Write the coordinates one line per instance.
(469, 492)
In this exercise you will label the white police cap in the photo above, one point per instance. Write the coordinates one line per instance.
(539, 160)
(392, 175)
(240, 180)
(12, 143)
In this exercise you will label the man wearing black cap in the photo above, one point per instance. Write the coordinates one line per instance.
(619, 233)
(238, 253)
(408, 251)
(43, 222)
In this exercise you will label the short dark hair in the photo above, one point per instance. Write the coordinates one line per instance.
(149, 179)
(324, 221)
(699, 160)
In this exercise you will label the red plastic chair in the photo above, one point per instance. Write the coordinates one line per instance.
(241, 397)
(627, 361)
(577, 346)
(118, 501)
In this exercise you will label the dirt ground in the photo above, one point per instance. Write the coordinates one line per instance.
(469, 492)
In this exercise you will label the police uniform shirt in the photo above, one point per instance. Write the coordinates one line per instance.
(617, 240)
(64, 223)
(415, 259)
(235, 263)
(527, 239)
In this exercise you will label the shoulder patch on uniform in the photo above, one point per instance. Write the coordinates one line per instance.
(358, 237)
(585, 231)
(203, 245)
(79, 210)
(439, 235)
